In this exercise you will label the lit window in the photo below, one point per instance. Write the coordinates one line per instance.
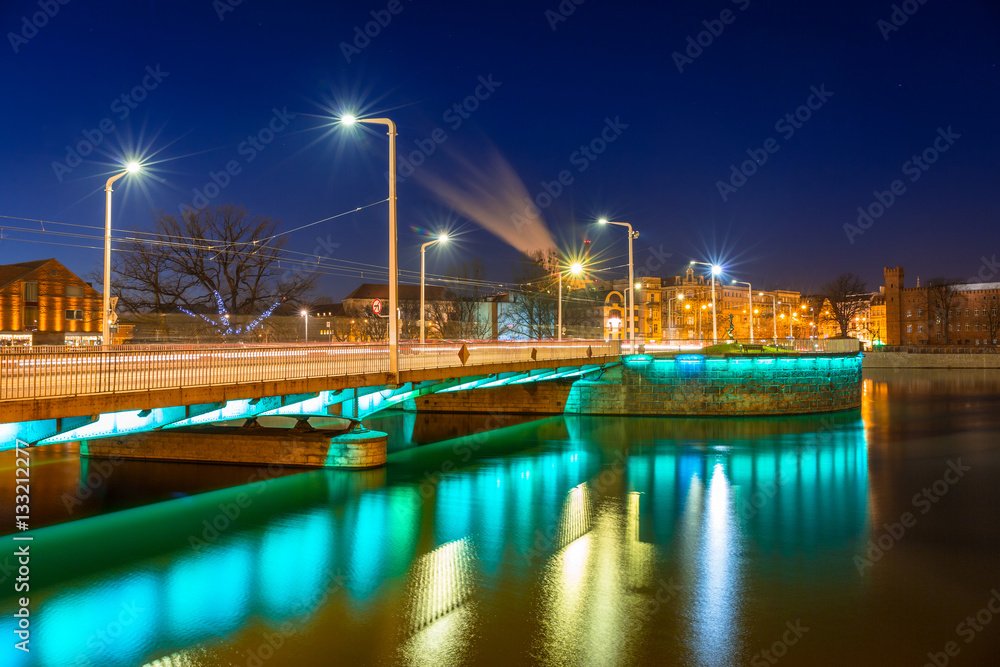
(977, 312)
(909, 328)
(966, 326)
(74, 314)
(909, 313)
(920, 328)
(31, 292)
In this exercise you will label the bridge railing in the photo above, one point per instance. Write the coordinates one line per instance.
(53, 372)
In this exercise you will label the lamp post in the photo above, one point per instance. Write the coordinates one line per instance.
(670, 312)
(750, 298)
(576, 268)
(774, 315)
(716, 270)
(393, 260)
(130, 168)
(631, 280)
(443, 238)
(305, 318)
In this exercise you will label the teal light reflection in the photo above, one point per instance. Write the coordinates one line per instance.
(207, 592)
(295, 560)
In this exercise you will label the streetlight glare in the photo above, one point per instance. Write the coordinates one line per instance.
(132, 167)
(302, 313)
(602, 221)
(442, 238)
(348, 119)
(680, 297)
(576, 268)
(638, 285)
(716, 270)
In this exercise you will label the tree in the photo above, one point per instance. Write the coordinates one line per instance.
(847, 300)
(942, 297)
(215, 259)
(532, 313)
(469, 315)
(992, 322)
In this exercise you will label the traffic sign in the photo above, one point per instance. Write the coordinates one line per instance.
(377, 306)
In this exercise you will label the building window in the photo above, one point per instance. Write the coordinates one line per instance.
(966, 326)
(966, 312)
(909, 328)
(74, 314)
(977, 312)
(909, 313)
(920, 312)
(74, 290)
(30, 317)
(949, 327)
(920, 328)
(977, 326)
(31, 292)
(939, 335)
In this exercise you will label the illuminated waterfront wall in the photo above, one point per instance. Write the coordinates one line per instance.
(687, 384)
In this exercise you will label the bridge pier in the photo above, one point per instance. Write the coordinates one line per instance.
(356, 449)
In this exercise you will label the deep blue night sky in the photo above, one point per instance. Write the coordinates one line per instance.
(220, 80)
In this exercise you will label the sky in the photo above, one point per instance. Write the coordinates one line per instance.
(741, 132)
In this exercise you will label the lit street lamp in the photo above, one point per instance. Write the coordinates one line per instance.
(130, 168)
(631, 279)
(393, 260)
(305, 318)
(443, 238)
(716, 270)
(576, 268)
(749, 298)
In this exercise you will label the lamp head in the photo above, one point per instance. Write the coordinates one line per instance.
(132, 167)
(576, 268)
(716, 269)
(348, 119)
(680, 297)
(602, 221)
(303, 313)
(442, 238)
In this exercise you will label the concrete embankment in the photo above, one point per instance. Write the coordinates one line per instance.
(931, 359)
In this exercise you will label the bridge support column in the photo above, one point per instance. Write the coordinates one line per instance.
(355, 449)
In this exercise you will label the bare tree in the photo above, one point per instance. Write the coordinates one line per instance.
(942, 297)
(533, 305)
(992, 322)
(469, 317)
(847, 300)
(221, 258)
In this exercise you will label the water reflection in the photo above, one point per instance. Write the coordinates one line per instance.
(568, 528)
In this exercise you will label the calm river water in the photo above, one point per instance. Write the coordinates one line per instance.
(862, 538)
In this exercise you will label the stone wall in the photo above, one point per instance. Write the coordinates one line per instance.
(931, 360)
(691, 385)
(284, 447)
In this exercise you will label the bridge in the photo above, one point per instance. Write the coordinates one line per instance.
(54, 394)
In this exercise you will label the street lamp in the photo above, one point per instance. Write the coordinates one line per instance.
(716, 270)
(393, 260)
(670, 313)
(631, 279)
(750, 299)
(443, 238)
(130, 168)
(576, 268)
(305, 318)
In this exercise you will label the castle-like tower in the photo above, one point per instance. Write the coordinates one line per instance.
(893, 305)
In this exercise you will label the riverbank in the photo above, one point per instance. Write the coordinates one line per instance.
(930, 358)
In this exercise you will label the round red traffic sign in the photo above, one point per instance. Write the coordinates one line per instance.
(377, 306)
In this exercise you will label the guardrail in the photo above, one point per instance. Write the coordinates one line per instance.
(54, 372)
(805, 345)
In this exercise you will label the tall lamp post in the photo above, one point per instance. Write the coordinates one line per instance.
(393, 259)
(716, 270)
(305, 318)
(576, 268)
(750, 298)
(670, 312)
(443, 238)
(130, 168)
(631, 280)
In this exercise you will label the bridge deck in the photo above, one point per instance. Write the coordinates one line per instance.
(52, 382)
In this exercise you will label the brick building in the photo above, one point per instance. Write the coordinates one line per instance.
(44, 303)
(956, 314)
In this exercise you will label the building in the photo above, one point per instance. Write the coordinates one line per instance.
(688, 315)
(44, 303)
(648, 317)
(943, 314)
